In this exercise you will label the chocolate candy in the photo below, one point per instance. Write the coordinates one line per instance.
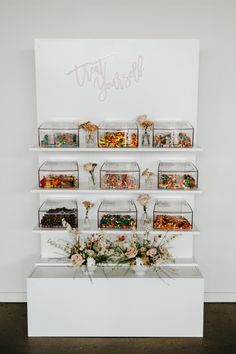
(59, 181)
(53, 218)
(169, 222)
(176, 181)
(118, 181)
(118, 139)
(117, 221)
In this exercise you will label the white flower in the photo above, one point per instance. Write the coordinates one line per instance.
(89, 167)
(143, 199)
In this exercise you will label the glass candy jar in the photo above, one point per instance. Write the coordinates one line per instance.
(59, 174)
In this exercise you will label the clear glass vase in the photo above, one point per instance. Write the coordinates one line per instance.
(87, 223)
(144, 221)
(149, 181)
(90, 139)
(91, 181)
(146, 138)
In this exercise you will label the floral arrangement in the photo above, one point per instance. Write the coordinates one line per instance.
(90, 130)
(89, 127)
(143, 251)
(90, 167)
(143, 200)
(95, 249)
(88, 205)
(144, 122)
(98, 249)
(147, 173)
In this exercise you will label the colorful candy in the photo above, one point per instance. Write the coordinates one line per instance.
(60, 140)
(183, 140)
(118, 181)
(162, 140)
(53, 218)
(176, 181)
(59, 181)
(118, 139)
(173, 140)
(169, 222)
(117, 221)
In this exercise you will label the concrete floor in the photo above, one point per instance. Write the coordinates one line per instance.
(220, 337)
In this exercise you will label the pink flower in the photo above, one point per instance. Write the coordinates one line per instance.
(77, 259)
(131, 252)
(152, 252)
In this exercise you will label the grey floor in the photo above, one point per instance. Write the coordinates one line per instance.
(219, 337)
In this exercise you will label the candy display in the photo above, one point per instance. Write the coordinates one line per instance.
(167, 222)
(117, 135)
(120, 175)
(59, 174)
(173, 134)
(59, 134)
(172, 214)
(119, 214)
(116, 221)
(177, 175)
(52, 212)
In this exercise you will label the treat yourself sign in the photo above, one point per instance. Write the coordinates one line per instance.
(116, 78)
(96, 74)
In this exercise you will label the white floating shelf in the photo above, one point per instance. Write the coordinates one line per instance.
(40, 149)
(60, 262)
(114, 192)
(94, 229)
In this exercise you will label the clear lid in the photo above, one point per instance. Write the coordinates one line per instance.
(117, 206)
(59, 203)
(59, 166)
(172, 206)
(181, 166)
(117, 125)
(60, 125)
(172, 124)
(120, 166)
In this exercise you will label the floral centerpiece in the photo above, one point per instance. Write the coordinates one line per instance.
(90, 168)
(88, 205)
(146, 124)
(136, 252)
(90, 132)
(143, 200)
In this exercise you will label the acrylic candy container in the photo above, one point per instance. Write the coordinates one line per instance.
(172, 214)
(177, 175)
(118, 135)
(117, 215)
(53, 211)
(173, 134)
(59, 174)
(120, 175)
(58, 134)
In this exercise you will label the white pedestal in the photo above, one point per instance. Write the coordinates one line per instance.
(64, 301)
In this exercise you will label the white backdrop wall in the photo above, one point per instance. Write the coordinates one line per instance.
(213, 22)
